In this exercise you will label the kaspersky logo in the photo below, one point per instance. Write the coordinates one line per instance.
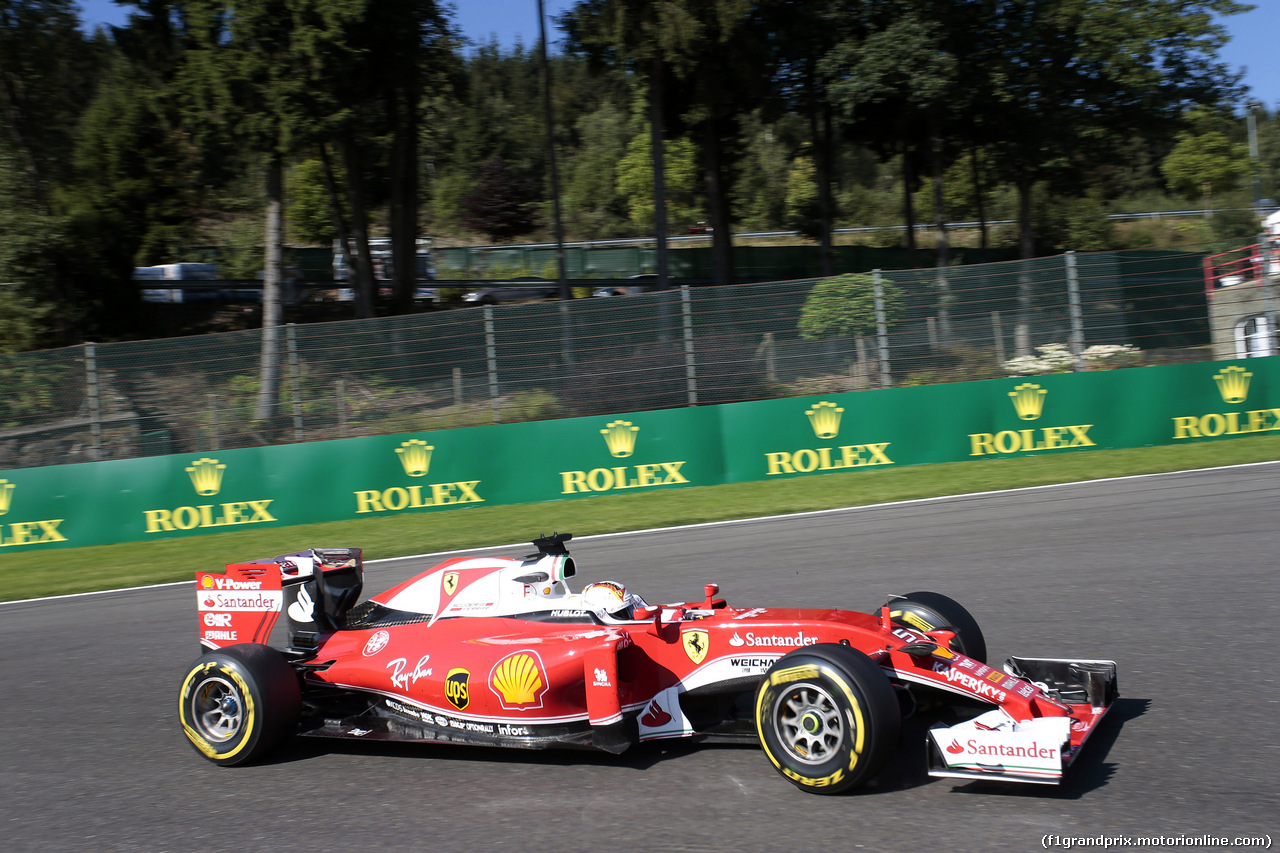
(1233, 387)
(1028, 401)
(25, 532)
(415, 457)
(206, 479)
(825, 418)
(620, 440)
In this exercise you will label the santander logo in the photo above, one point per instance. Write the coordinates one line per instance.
(654, 716)
(800, 638)
(955, 748)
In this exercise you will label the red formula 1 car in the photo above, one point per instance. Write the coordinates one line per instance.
(500, 652)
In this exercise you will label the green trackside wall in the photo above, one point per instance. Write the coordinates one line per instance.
(162, 496)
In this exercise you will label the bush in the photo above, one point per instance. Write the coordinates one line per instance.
(844, 306)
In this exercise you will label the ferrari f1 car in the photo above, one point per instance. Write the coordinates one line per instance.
(500, 652)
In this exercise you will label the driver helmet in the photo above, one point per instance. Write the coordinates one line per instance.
(610, 598)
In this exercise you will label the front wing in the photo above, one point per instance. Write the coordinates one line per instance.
(994, 745)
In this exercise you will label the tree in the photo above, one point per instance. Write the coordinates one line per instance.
(503, 204)
(1068, 83)
(635, 182)
(1204, 161)
(47, 73)
(845, 306)
(247, 75)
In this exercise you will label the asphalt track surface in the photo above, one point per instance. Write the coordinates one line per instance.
(1172, 576)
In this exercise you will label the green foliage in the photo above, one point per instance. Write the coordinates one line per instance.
(23, 322)
(29, 383)
(308, 216)
(635, 182)
(844, 305)
(592, 206)
(503, 203)
(802, 211)
(1204, 160)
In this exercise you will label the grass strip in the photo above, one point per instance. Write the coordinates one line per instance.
(34, 574)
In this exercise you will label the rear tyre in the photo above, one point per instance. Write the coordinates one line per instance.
(929, 611)
(827, 718)
(238, 703)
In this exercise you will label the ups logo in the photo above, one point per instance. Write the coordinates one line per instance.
(457, 688)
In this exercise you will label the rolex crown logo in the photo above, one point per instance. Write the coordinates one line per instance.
(1028, 400)
(824, 417)
(415, 456)
(206, 476)
(620, 436)
(1233, 383)
(6, 495)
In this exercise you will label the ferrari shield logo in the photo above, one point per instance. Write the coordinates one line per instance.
(696, 644)
(450, 583)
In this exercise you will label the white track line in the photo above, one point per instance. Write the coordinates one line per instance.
(705, 524)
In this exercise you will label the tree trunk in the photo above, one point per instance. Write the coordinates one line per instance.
(363, 281)
(336, 212)
(1026, 237)
(908, 206)
(1022, 330)
(656, 72)
(979, 199)
(269, 368)
(404, 199)
(943, 257)
(718, 204)
(820, 133)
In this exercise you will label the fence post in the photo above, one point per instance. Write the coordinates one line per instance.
(997, 334)
(95, 403)
(882, 330)
(457, 386)
(1077, 316)
(690, 366)
(491, 355)
(766, 350)
(340, 391)
(295, 383)
(215, 424)
(859, 369)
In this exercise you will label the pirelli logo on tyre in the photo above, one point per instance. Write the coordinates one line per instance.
(792, 673)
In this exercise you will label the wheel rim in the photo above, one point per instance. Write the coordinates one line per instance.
(217, 709)
(808, 723)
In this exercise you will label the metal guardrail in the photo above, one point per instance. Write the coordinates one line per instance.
(861, 229)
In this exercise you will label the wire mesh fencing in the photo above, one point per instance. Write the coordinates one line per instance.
(691, 346)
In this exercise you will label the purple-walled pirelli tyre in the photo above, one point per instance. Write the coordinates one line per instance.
(827, 718)
(239, 702)
(927, 611)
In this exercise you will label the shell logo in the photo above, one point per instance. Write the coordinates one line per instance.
(518, 681)
(206, 582)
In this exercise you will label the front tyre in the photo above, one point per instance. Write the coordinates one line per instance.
(827, 718)
(929, 611)
(239, 702)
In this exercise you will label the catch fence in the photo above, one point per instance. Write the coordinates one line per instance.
(689, 346)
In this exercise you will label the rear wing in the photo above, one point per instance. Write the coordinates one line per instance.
(314, 589)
